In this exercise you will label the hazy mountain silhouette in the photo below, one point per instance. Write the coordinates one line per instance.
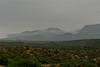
(56, 34)
(90, 32)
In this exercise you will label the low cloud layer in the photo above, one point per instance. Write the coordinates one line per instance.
(20, 15)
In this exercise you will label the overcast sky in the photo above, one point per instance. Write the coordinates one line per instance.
(69, 15)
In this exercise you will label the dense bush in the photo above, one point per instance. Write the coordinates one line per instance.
(22, 62)
(3, 59)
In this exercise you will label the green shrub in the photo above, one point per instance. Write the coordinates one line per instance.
(23, 63)
(70, 64)
(3, 59)
(88, 64)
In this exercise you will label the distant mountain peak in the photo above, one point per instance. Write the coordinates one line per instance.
(90, 29)
(31, 31)
(53, 29)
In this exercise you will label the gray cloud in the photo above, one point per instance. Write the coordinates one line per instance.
(20, 15)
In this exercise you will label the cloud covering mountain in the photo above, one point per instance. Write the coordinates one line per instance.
(56, 34)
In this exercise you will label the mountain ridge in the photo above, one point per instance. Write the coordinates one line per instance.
(56, 34)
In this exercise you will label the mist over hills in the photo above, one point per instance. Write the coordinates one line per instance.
(56, 34)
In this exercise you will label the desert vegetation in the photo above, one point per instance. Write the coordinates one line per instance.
(23, 54)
